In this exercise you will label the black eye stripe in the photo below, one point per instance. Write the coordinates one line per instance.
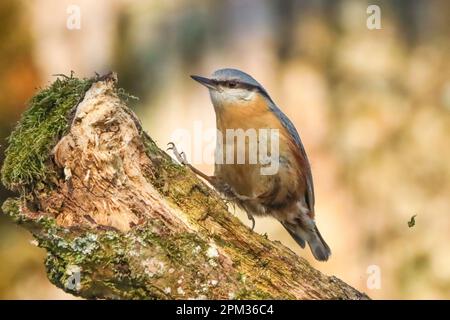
(238, 84)
(229, 83)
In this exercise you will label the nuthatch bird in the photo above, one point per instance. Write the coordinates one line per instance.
(240, 102)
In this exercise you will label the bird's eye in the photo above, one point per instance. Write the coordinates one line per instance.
(232, 84)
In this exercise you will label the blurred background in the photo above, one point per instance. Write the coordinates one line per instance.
(372, 106)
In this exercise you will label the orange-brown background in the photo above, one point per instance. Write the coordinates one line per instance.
(372, 106)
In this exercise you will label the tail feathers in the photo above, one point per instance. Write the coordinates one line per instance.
(319, 248)
(297, 237)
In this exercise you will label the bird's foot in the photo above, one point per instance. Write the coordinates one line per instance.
(252, 219)
(227, 193)
(181, 157)
(223, 188)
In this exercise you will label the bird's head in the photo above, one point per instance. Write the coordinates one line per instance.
(231, 87)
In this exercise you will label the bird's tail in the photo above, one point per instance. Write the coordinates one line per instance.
(318, 246)
(302, 233)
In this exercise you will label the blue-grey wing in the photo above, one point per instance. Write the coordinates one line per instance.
(293, 131)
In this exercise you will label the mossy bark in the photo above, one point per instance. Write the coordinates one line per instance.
(108, 205)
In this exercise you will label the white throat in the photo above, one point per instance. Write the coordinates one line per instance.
(228, 96)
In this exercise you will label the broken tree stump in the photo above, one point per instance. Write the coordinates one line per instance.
(113, 209)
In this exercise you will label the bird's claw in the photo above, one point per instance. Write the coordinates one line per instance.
(225, 189)
(181, 157)
(171, 146)
(250, 217)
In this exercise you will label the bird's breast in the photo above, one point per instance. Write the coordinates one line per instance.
(242, 132)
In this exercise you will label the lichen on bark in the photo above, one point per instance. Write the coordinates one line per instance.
(107, 204)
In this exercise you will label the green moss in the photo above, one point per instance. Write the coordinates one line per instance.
(11, 207)
(41, 126)
(255, 294)
(125, 96)
(165, 163)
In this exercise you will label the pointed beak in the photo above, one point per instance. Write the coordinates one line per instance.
(209, 83)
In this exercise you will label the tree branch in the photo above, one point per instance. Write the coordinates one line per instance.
(111, 207)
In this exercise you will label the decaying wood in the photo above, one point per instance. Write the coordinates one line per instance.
(133, 224)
